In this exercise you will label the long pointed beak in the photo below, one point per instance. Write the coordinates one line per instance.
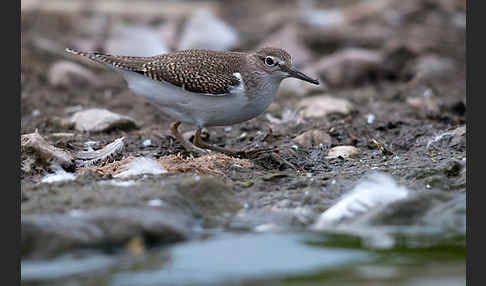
(297, 74)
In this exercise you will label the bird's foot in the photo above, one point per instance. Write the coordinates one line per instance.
(199, 143)
(187, 146)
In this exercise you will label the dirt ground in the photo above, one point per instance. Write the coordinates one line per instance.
(407, 115)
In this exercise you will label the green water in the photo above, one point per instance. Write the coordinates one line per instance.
(372, 256)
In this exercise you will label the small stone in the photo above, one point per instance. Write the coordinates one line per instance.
(324, 18)
(424, 104)
(370, 118)
(246, 183)
(347, 66)
(58, 176)
(169, 31)
(203, 28)
(99, 120)
(138, 166)
(47, 235)
(147, 143)
(433, 67)
(67, 74)
(126, 40)
(297, 87)
(288, 39)
(343, 151)
(313, 137)
(321, 106)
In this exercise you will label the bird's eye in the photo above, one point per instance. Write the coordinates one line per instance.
(269, 61)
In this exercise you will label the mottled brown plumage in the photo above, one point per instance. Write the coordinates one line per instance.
(200, 71)
(205, 88)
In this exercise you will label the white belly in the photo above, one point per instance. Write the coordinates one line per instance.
(200, 109)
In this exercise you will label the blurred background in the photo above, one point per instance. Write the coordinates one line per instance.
(392, 90)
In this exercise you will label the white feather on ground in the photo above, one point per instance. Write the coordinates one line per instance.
(376, 190)
(141, 165)
(86, 158)
(58, 176)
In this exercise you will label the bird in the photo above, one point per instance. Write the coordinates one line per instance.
(205, 88)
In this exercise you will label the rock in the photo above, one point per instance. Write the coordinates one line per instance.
(323, 105)
(48, 235)
(458, 140)
(433, 67)
(58, 176)
(373, 192)
(338, 17)
(35, 145)
(380, 201)
(288, 39)
(210, 199)
(58, 218)
(69, 74)
(127, 39)
(292, 86)
(205, 31)
(343, 151)
(424, 104)
(324, 18)
(99, 120)
(45, 236)
(455, 138)
(371, 35)
(416, 209)
(346, 67)
(449, 213)
(312, 138)
(138, 166)
(170, 31)
(289, 117)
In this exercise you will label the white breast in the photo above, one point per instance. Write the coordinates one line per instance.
(202, 110)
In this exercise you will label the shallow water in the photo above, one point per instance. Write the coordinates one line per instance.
(410, 256)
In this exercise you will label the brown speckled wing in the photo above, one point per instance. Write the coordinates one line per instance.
(200, 71)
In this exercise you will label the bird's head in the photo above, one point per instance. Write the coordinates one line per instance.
(278, 64)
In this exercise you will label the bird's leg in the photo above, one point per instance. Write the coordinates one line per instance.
(188, 146)
(199, 143)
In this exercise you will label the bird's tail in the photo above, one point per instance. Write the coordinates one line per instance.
(92, 56)
(112, 61)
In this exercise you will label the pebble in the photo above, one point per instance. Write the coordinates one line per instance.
(99, 120)
(370, 118)
(68, 74)
(347, 66)
(425, 104)
(127, 39)
(323, 105)
(202, 30)
(288, 39)
(343, 151)
(313, 137)
(147, 143)
(140, 165)
(297, 87)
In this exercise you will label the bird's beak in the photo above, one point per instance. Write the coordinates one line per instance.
(297, 74)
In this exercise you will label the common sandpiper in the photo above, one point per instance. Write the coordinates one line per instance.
(205, 88)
